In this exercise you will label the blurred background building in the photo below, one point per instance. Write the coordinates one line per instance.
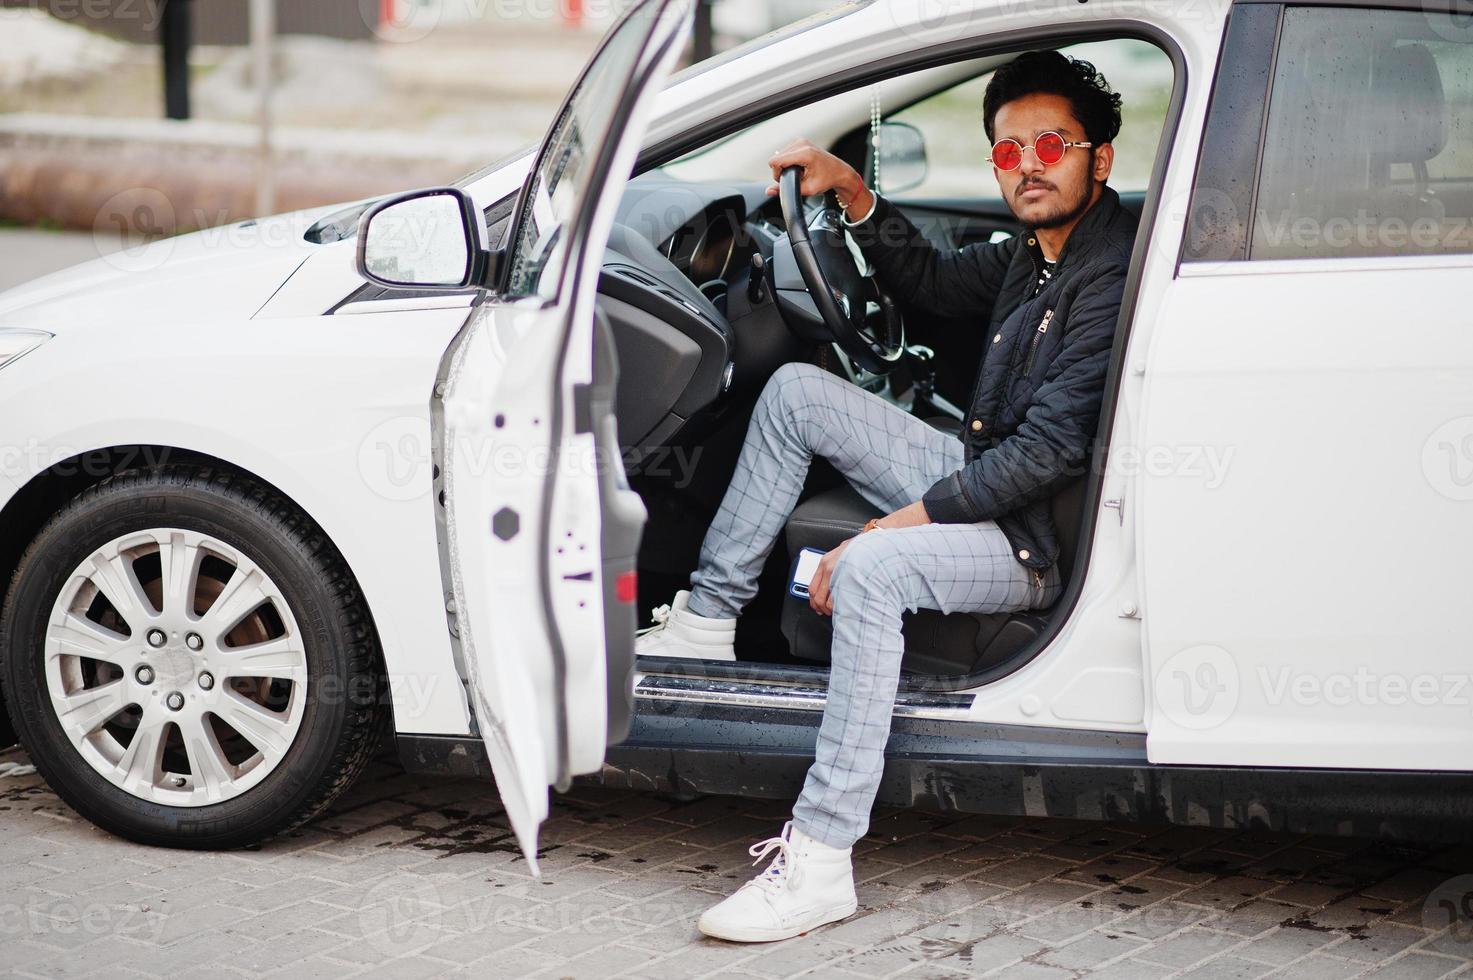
(366, 96)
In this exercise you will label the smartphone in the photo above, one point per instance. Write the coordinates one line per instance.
(803, 568)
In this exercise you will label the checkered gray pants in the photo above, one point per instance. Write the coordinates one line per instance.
(891, 458)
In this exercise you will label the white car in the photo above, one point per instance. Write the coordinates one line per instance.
(270, 488)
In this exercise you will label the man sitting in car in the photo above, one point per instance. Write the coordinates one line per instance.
(969, 527)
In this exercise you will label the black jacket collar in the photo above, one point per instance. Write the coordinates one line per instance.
(1086, 236)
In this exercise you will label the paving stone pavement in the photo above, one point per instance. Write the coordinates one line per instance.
(417, 876)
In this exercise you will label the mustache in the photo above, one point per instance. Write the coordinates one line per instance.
(1031, 183)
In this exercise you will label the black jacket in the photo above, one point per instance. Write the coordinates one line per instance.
(1036, 402)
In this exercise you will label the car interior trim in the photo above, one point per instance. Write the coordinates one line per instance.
(809, 694)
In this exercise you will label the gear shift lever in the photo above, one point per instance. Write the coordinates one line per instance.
(757, 281)
(923, 371)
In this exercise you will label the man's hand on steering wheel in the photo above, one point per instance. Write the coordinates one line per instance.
(840, 300)
(822, 171)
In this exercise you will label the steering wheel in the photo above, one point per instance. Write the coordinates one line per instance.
(823, 293)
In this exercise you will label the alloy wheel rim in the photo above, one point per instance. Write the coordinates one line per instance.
(175, 667)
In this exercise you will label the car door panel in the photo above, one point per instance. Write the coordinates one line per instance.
(542, 528)
(1297, 600)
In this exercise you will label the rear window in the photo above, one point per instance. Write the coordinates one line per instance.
(1368, 145)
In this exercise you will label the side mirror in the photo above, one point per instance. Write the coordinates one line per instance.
(901, 160)
(429, 239)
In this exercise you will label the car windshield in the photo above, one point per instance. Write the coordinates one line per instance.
(562, 173)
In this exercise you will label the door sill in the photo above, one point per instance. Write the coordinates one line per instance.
(799, 689)
(793, 675)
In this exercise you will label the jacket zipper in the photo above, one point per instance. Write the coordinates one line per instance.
(1037, 338)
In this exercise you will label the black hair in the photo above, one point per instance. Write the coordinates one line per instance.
(1095, 105)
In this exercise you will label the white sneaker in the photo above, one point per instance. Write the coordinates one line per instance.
(807, 885)
(681, 633)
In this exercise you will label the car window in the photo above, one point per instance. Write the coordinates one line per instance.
(1368, 146)
(957, 145)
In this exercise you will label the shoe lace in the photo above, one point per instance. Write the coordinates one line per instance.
(661, 616)
(781, 870)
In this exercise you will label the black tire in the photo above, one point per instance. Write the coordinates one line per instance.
(338, 732)
(7, 730)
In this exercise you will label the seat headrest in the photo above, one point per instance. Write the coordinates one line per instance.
(1411, 109)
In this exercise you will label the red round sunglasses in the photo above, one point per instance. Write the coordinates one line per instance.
(1007, 154)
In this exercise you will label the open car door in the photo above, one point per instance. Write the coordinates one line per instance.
(541, 527)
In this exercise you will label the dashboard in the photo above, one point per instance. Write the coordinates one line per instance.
(685, 295)
(707, 232)
(704, 249)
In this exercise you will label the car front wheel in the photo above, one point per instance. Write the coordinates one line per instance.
(188, 661)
